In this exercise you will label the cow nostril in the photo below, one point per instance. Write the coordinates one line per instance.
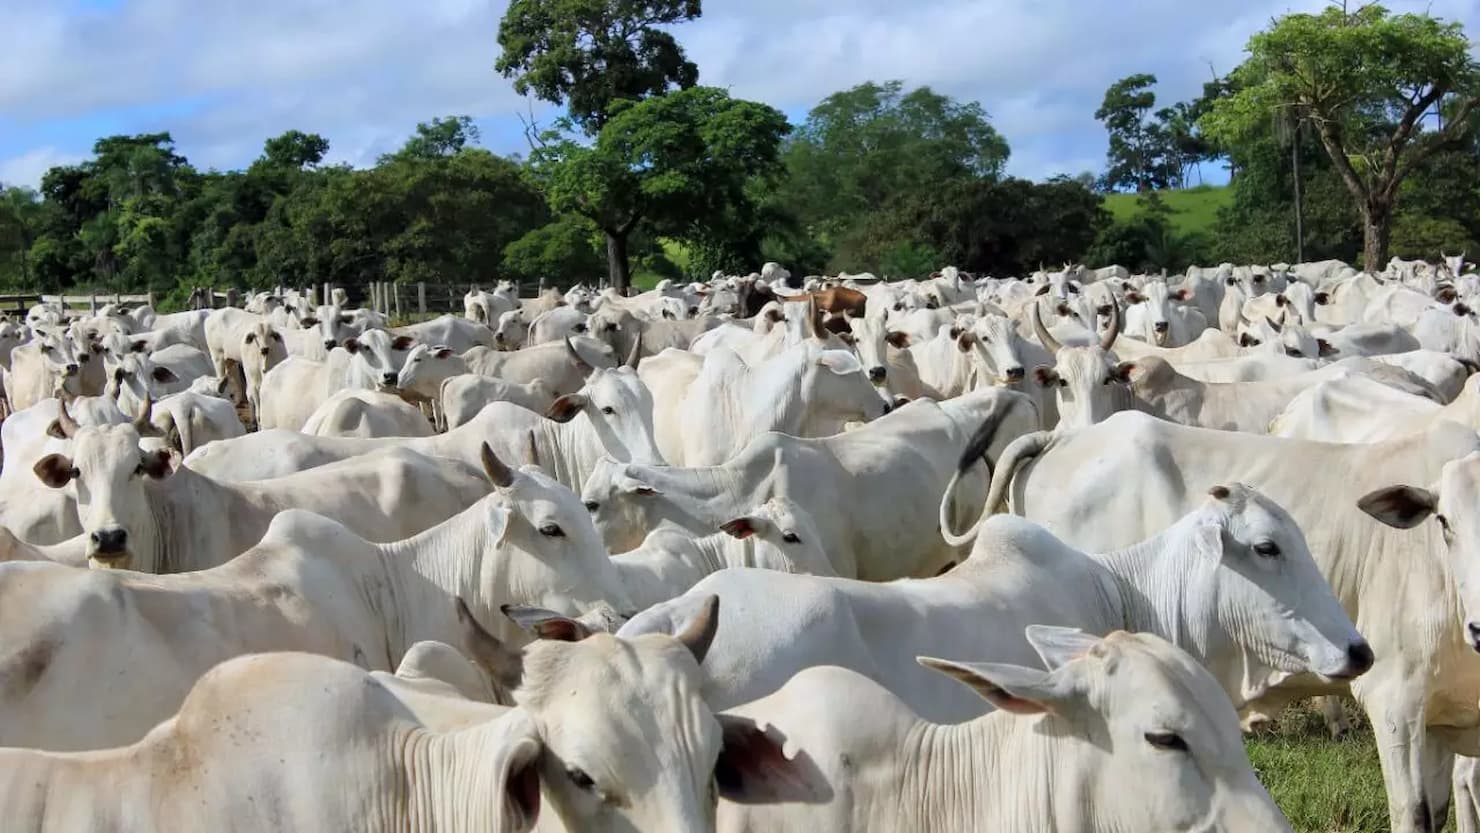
(329, 343)
(1016, 373)
(876, 374)
(110, 541)
(1161, 326)
(71, 369)
(1359, 654)
(265, 351)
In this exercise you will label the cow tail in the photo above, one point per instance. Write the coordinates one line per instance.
(1019, 451)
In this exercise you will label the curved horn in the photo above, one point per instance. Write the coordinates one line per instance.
(65, 421)
(1042, 332)
(498, 474)
(699, 633)
(1114, 332)
(580, 362)
(635, 354)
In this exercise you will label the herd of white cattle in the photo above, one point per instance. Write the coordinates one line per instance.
(730, 556)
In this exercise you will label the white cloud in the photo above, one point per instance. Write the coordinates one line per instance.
(225, 75)
(27, 168)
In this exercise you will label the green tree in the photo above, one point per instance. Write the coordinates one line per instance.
(1366, 81)
(295, 149)
(678, 164)
(589, 54)
(438, 138)
(564, 250)
(1143, 154)
(863, 148)
(20, 224)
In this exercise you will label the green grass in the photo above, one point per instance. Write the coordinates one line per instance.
(1323, 786)
(1193, 209)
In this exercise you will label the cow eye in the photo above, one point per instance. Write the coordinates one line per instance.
(791, 538)
(608, 410)
(591, 505)
(552, 531)
(580, 779)
(1170, 741)
(1063, 383)
(1443, 522)
(1268, 549)
(1291, 351)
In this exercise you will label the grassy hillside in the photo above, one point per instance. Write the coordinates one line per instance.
(1193, 209)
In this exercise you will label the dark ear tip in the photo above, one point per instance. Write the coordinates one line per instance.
(1219, 492)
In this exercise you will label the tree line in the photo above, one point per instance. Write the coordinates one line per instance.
(1367, 119)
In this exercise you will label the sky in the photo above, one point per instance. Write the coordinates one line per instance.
(224, 75)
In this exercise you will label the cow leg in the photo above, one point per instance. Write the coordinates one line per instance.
(1337, 721)
(1466, 812)
(1395, 708)
(1438, 772)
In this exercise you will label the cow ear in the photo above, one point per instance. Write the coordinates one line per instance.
(965, 340)
(1181, 294)
(848, 339)
(55, 470)
(1134, 297)
(1401, 507)
(897, 340)
(668, 314)
(1246, 340)
(164, 375)
(1043, 290)
(402, 343)
(546, 624)
(308, 322)
(1046, 376)
(139, 346)
(156, 464)
(566, 407)
(443, 352)
(1057, 646)
(351, 345)
(1122, 372)
(119, 374)
(1011, 688)
(1325, 348)
(519, 778)
(740, 527)
(753, 767)
(504, 664)
(1322, 298)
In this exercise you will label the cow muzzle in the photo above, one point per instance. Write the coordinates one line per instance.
(877, 374)
(109, 547)
(1161, 326)
(1472, 631)
(1014, 374)
(330, 344)
(388, 379)
(1359, 659)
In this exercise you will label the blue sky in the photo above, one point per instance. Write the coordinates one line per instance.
(223, 75)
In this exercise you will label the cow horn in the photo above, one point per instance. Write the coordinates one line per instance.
(65, 421)
(534, 449)
(1042, 332)
(1114, 332)
(699, 632)
(498, 474)
(635, 354)
(580, 362)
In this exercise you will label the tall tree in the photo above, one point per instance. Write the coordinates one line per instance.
(295, 149)
(1383, 92)
(1141, 154)
(865, 149)
(437, 138)
(20, 223)
(679, 164)
(588, 54)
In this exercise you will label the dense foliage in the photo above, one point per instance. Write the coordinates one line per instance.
(652, 173)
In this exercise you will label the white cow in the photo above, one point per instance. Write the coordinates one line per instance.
(303, 742)
(1094, 488)
(367, 413)
(293, 390)
(805, 391)
(458, 333)
(463, 397)
(1124, 733)
(563, 365)
(190, 419)
(141, 513)
(310, 585)
(43, 368)
(891, 471)
(1187, 584)
(1156, 315)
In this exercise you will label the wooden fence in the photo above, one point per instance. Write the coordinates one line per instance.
(21, 302)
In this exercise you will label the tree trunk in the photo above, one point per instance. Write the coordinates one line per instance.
(1377, 227)
(616, 261)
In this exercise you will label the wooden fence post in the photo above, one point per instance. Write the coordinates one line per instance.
(421, 300)
(327, 294)
(396, 294)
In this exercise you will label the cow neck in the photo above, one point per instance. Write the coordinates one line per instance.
(455, 780)
(1156, 582)
(206, 497)
(105, 787)
(662, 569)
(997, 772)
(426, 570)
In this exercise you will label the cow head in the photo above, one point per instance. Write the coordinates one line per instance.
(872, 338)
(620, 409)
(1090, 384)
(1246, 563)
(992, 343)
(375, 359)
(426, 367)
(835, 390)
(333, 326)
(135, 379)
(107, 472)
(262, 349)
(512, 331)
(785, 527)
(543, 549)
(1155, 313)
(61, 361)
(625, 501)
(1445, 510)
(1151, 723)
(627, 741)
